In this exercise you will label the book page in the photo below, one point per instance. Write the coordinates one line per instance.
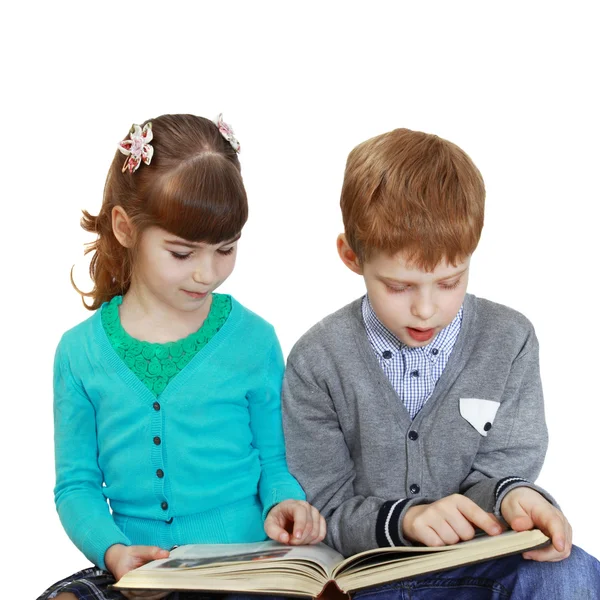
(262, 567)
(382, 556)
(209, 556)
(394, 563)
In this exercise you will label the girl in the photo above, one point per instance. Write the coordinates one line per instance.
(167, 400)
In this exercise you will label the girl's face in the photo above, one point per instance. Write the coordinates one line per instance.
(181, 274)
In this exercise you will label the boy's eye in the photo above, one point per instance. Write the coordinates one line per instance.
(450, 286)
(396, 290)
(224, 251)
(179, 256)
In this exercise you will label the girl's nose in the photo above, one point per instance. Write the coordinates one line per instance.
(203, 274)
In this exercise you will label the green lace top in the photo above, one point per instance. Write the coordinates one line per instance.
(156, 364)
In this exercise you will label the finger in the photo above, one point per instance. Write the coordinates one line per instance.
(547, 554)
(479, 517)
(275, 531)
(322, 530)
(460, 524)
(429, 537)
(423, 531)
(317, 526)
(148, 553)
(521, 522)
(569, 545)
(300, 518)
(516, 515)
(445, 532)
(315, 518)
(463, 528)
(553, 524)
(502, 524)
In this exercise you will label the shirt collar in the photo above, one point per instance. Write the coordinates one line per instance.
(382, 339)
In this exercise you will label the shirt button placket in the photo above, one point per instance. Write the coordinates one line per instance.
(158, 467)
(412, 375)
(414, 460)
(409, 383)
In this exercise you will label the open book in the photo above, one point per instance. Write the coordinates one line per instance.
(273, 568)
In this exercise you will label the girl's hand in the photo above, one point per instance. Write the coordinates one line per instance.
(447, 521)
(524, 508)
(121, 559)
(295, 522)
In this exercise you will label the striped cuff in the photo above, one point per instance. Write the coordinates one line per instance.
(504, 483)
(507, 484)
(387, 529)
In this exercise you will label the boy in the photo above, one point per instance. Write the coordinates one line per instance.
(415, 414)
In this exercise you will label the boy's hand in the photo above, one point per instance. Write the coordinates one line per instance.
(524, 508)
(295, 522)
(447, 521)
(121, 559)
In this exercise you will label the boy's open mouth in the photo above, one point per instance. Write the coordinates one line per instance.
(420, 335)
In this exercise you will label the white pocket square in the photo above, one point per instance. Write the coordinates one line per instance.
(480, 413)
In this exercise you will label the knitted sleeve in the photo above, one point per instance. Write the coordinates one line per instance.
(276, 483)
(80, 502)
(321, 460)
(512, 454)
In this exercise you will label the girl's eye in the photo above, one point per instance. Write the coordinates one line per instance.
(180, 256)
(450, 286)
(225, 252)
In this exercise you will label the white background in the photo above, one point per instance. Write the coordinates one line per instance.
(513, 83)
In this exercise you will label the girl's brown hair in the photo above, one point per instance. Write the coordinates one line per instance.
(412, 192)
(192, 188)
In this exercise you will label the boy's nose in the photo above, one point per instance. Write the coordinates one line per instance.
(423, 307)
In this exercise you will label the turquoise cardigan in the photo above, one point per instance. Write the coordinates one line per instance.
(202, 463)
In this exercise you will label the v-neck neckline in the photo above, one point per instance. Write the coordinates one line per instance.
(142, 391)
(454, 366)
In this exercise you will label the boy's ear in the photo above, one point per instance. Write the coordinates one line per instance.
(348, 255)
(122, 227)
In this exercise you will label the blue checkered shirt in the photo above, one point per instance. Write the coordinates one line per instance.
(413, 372)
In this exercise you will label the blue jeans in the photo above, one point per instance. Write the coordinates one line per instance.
(575, 578)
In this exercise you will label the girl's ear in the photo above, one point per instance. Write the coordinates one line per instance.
(348, 255)
(122, 227)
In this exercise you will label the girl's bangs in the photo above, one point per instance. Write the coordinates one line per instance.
(201, 203)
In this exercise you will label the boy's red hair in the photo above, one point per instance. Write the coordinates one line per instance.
(415, 193)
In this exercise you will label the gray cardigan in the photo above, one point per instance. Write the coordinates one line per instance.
(363, 462)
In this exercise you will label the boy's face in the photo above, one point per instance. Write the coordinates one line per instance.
(413, 304)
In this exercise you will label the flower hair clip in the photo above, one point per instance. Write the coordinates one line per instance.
(227, 132)
(137, 148)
